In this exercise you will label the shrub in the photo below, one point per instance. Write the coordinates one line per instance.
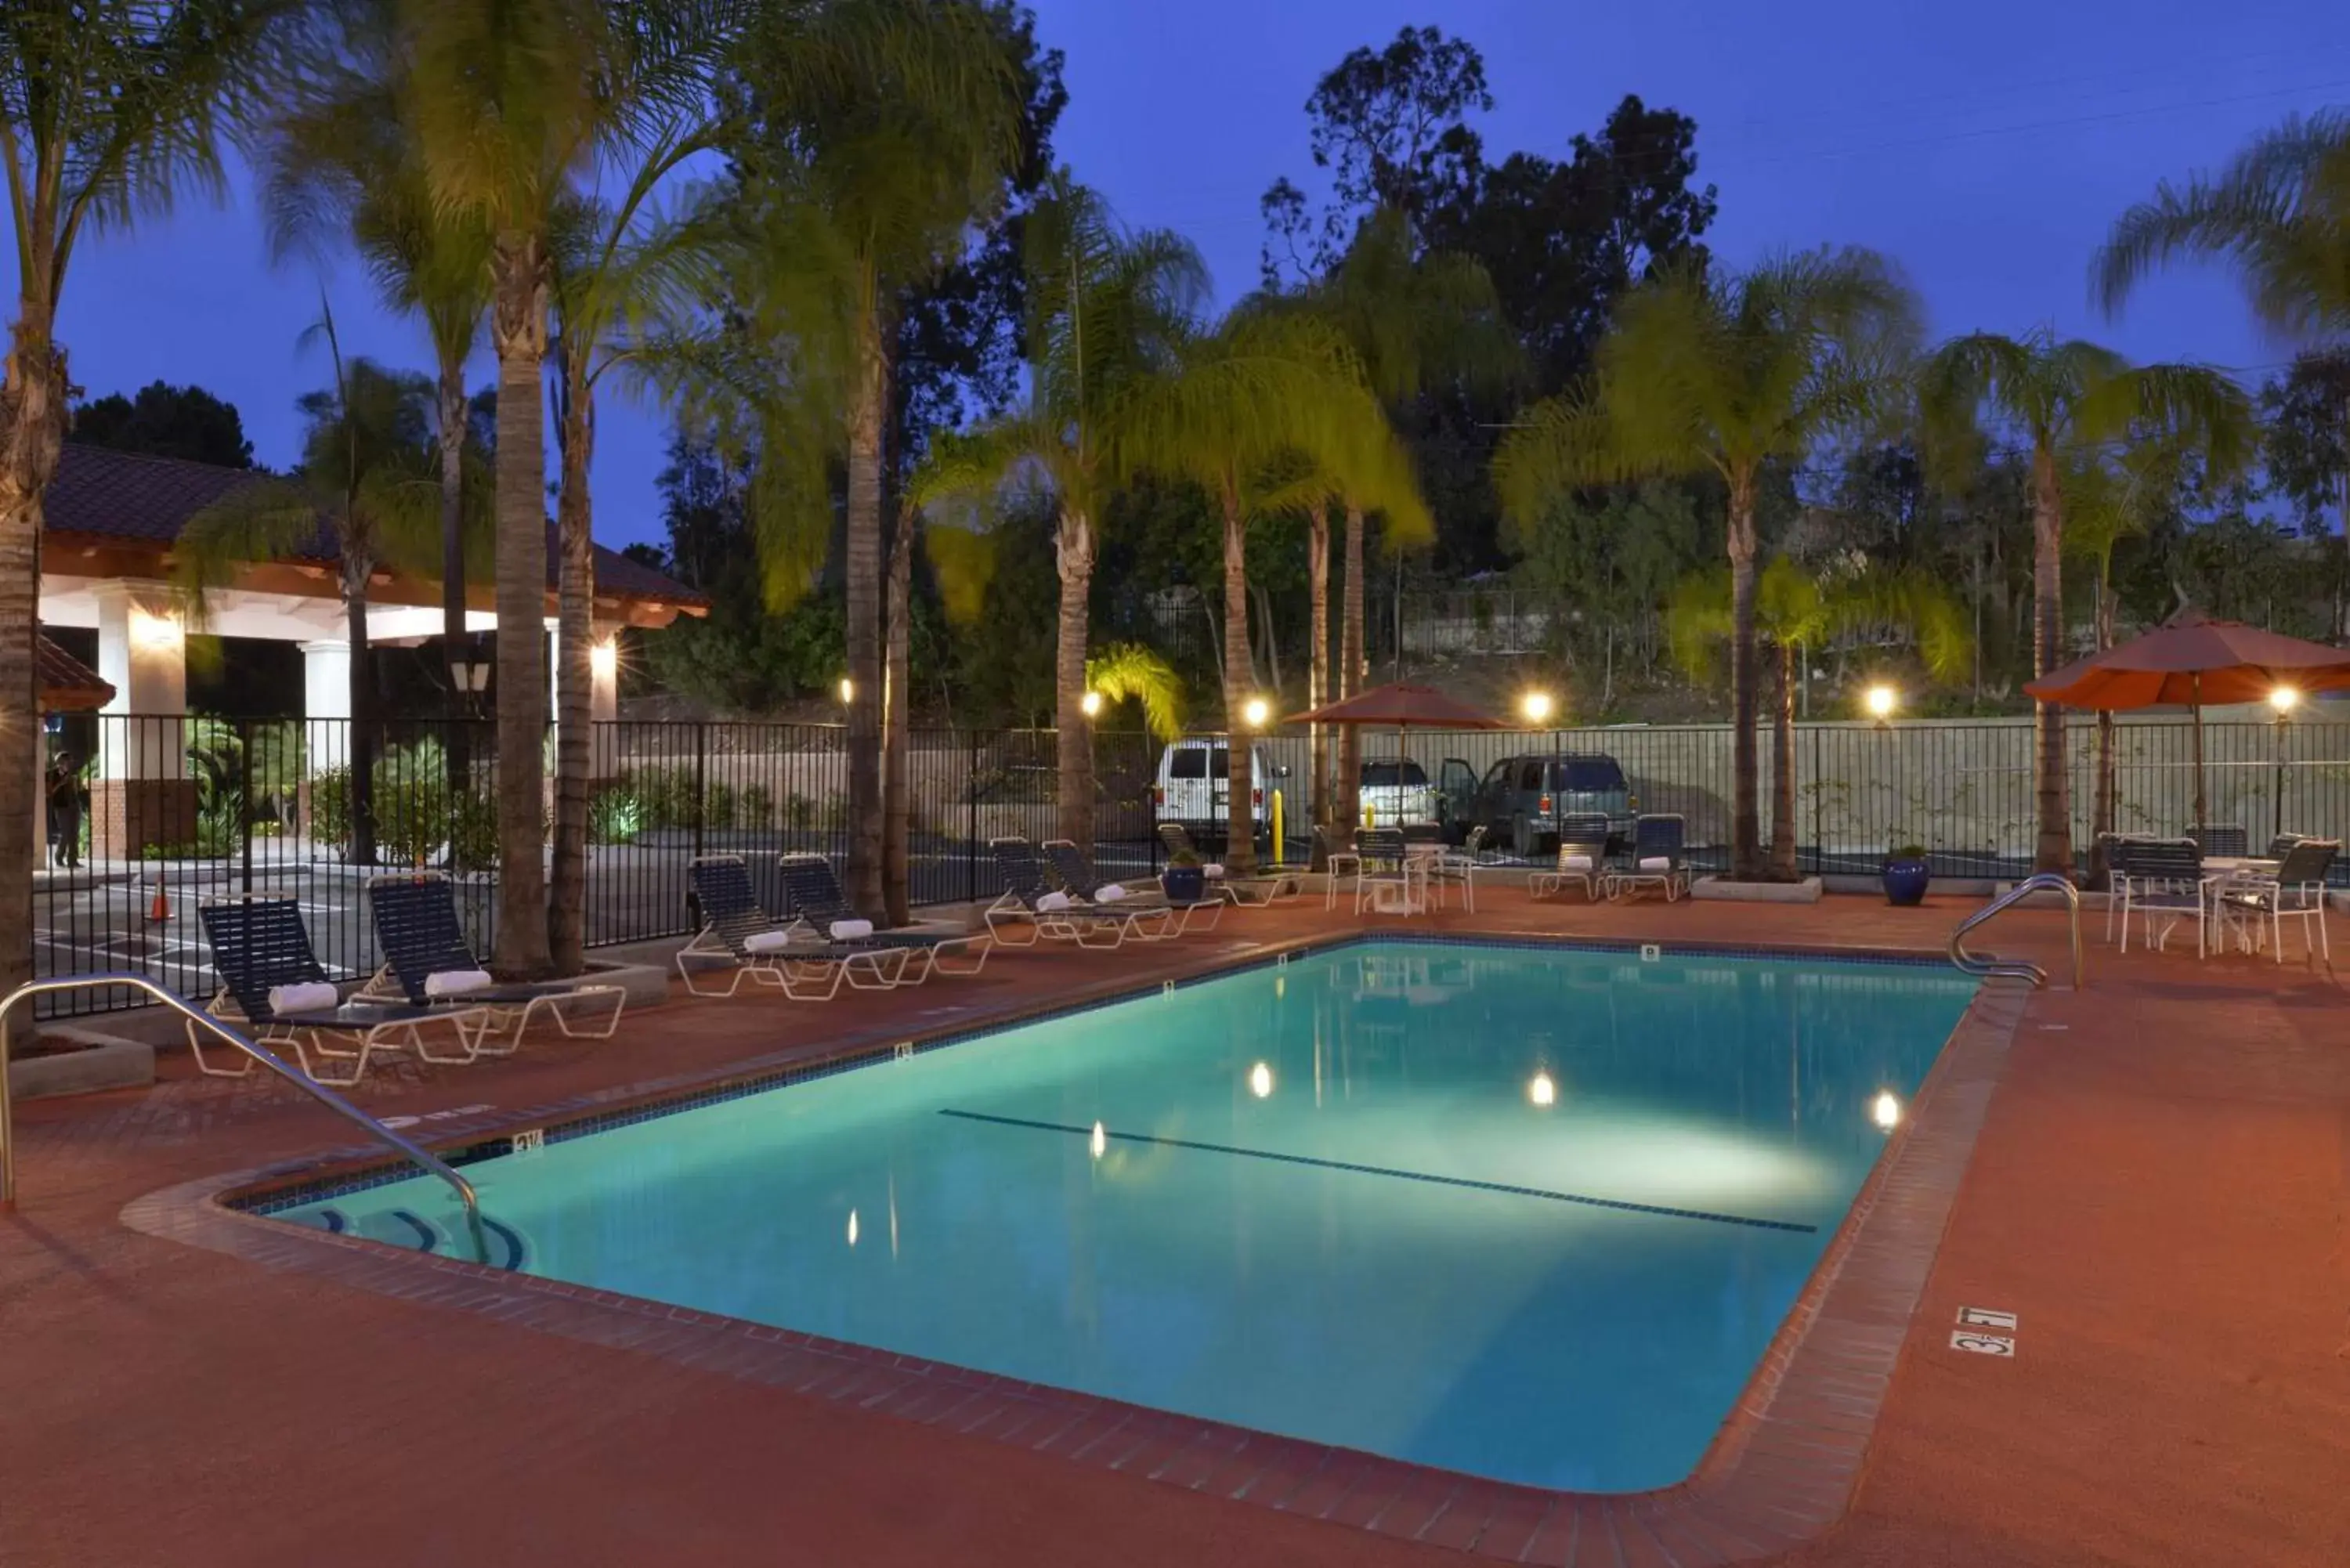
(615, 816)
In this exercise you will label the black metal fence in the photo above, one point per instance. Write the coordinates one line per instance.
(149, 816)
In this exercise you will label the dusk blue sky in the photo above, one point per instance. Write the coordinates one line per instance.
(1984, 147)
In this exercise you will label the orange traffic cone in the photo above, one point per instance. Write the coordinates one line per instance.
(159, 909)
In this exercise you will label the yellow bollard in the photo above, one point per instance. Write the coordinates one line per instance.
(1276, 827)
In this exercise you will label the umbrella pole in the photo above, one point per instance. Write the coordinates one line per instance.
(2197, 682)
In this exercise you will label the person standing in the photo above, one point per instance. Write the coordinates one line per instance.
(65, 810)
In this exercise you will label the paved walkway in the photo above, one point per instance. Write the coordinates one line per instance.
(2159, 1190)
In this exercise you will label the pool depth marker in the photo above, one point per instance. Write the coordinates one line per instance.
(1586, 1200)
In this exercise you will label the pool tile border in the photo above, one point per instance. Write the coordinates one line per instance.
(1780, 1471)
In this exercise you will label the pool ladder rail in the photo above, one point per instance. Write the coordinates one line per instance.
(2019, 968)
(432, 1164)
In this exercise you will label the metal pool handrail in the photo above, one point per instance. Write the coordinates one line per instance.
(430, 1163)
(2019, 968)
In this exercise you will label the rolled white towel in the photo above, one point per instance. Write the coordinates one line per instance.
(849, 931)
(1109, 893)
(1211, 870)
(1655, 862)
(311, 996)
(1574, 862)
(766, 942)
(458, 982)
(1052, 903)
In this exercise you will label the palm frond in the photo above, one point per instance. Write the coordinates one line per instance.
(1131, 672)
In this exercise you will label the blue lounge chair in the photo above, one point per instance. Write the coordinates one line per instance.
(1074, 870)
(739, 936)
(820, 907)
(427, 962)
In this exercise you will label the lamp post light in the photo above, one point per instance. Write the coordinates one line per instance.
(1881, 700)
(1255, 712)
(848, 691)
(1538, 707)
(2285, 699)
(1090, 704)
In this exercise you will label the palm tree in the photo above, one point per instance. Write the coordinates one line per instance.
(368, 483)
(1269, 387)
(1105, 309)
(1130, 672)
(108, 110)
(621, 275)
(1794, 609)
(881, 135)
(2062, 397)
(344, 165)
(1415, 320)
(2280, 213)
(511, 104)
(1722, 376)
(2110, 497)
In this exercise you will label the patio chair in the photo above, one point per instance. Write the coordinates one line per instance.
(1072, 869)
(2165, 886)
(1029, 902)
(1582, 857)
(2281, 845)
(1335, 851)
(2229, 839)
(820, 905)
(1656, 858)
(427, 962)
(2121, 850)
(1459, 867)
(272, 985)
(738, 935)
(2259, 906)
(1392, 880)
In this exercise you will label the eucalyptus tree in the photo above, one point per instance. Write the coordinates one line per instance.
(367, 487)
(1106, 308)
(1724, 375)
(2063, 399)
(108, 110)
(514, 104)
(1267, 390)
(1416, 319)
(1796, 609)
(876, 136)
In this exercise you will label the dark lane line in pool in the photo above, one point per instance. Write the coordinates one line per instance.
(1660, 1211)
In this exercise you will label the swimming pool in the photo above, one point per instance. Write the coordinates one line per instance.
(1532, 1213)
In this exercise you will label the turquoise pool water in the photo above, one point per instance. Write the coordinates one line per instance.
(1526, 1212)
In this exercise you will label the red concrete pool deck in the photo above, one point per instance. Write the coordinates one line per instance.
(2157, 1188)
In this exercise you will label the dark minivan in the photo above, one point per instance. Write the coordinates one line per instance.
(1522, 799)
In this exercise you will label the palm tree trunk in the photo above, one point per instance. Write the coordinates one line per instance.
(1745, 825)
(362, 749)
(897, 692)
(456, 748)
(1317, 679)
(2054, 849)
(862, 551)
(1073, 732)
(1240, 816)
(32, 432)
(1352, 672)
(1782, 767)
(518, 330)
(2102, 816)
(575, 682)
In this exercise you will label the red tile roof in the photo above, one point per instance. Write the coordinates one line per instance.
(102, 493)
(68, 685)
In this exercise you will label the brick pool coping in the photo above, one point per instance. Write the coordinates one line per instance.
(1780, 1471)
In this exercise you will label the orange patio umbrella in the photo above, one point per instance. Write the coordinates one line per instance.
(2190, 660)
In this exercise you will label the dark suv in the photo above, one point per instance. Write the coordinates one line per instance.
(1522, 799)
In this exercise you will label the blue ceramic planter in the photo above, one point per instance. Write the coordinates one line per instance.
(1185, 884)
(1905, 882)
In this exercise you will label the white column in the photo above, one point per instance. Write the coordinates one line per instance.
(142, 652)
(327, 695)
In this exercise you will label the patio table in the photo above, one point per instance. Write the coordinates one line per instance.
(2221, 871)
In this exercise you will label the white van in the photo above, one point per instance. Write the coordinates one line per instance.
(1194, 787)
